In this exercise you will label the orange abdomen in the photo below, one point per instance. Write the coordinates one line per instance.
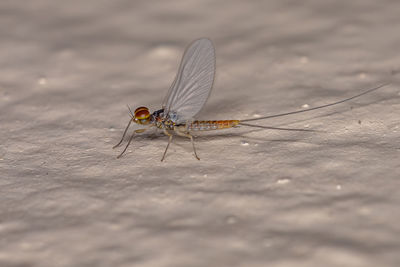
(212, 125)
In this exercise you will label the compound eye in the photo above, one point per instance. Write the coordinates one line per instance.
(142, 113)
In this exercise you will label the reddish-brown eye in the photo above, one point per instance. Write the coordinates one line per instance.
(142, 113)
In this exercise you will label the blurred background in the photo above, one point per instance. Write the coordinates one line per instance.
(256, 198)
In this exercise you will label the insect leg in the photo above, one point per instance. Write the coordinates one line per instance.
(130, 139)
(169, 142)
(126, 129)
(181, 132)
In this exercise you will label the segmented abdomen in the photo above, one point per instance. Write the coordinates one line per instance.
(212, 125)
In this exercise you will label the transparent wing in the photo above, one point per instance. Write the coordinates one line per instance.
(192, 85)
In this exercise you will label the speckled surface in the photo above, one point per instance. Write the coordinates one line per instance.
(257, 197)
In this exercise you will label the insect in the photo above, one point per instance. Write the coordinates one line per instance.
(188, 94)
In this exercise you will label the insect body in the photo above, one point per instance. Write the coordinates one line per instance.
(188, 94)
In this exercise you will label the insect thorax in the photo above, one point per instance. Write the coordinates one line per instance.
(164, 122)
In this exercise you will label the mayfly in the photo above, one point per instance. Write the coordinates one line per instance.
(187, 96)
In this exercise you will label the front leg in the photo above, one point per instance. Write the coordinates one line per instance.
(169, 142)
(122, 138)
(130, 139)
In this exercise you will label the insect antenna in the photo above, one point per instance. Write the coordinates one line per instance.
(130, 111)
(319, 107)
